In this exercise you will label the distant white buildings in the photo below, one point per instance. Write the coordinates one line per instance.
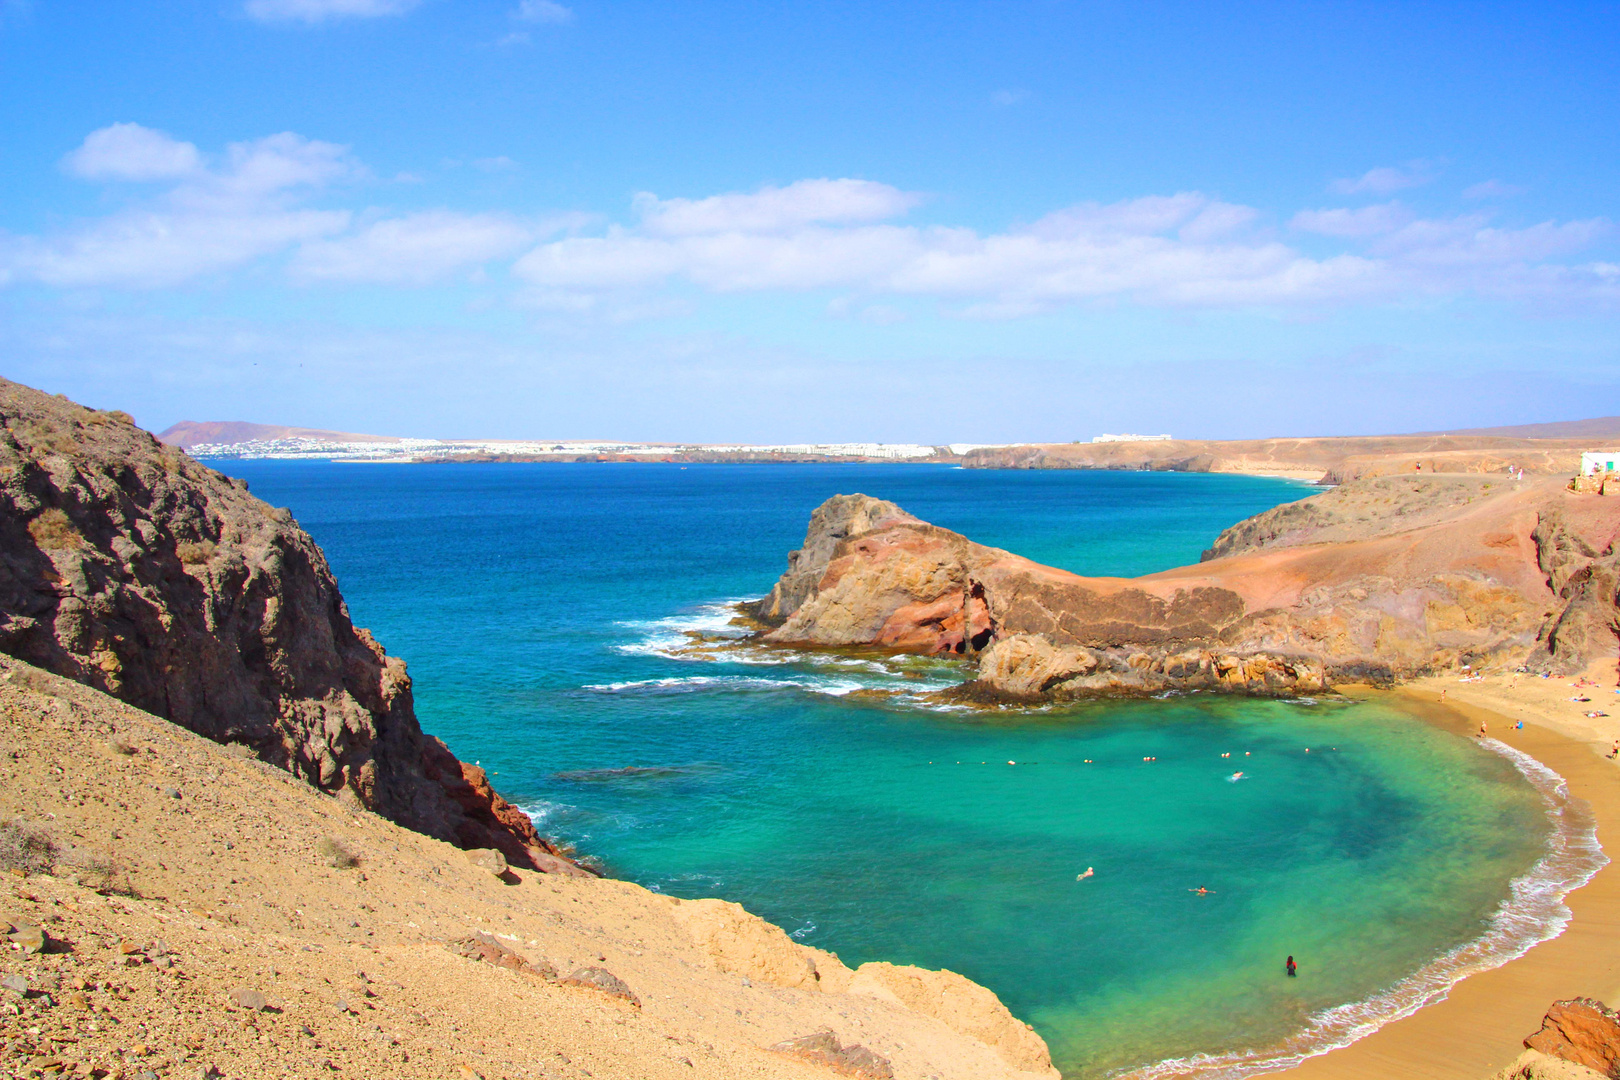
(1599, 461)
(436, 449)
(1130, 438)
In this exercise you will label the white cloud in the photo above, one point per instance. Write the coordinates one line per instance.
(1493, 189)
(132, 152)
(1008, 97)
(1184, 249)
(774, 209)
(1387, 179)
(413, 250)
(1366, 221)
(543, 11)
(314, 11)
(501, 163)
(213, 218)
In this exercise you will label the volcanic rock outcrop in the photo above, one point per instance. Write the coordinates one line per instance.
(127, 566)
(1581, 1031)
(1382, 579)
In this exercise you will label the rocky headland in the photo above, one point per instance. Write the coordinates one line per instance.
(1381, 579)
(1332, 460)
(129, 567)
(227, 848)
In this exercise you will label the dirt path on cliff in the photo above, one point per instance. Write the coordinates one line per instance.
(191, 885)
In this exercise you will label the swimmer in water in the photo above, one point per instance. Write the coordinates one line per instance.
(1082, 877)
(1201, 891)
(1236, 776)
(1291, 968)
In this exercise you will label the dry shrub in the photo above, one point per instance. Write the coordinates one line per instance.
(102, 873)
(193, 554)
(53, 530)
(42, 437)
(337, 853)
(28, 848)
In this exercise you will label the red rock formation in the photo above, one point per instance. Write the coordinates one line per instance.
(1583, 1031)
(129, 567)
(1382, 579)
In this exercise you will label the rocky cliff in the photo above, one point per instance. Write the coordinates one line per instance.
(127, 566)
(1380, 579)
(1333, 459)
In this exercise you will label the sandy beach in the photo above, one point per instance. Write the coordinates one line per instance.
(1480, 1027)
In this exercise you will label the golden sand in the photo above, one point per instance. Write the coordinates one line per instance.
(1480, 1027)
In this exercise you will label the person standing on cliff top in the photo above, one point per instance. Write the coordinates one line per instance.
(1291, 968)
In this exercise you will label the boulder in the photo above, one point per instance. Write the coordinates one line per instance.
(824, 1048)
(601, 979)
(488, 949)
(1582, 1031)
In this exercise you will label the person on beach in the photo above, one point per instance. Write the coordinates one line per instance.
(1615, 753)
(1482, 729)
(1292, 968)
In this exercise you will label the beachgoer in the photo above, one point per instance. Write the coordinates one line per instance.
(1482, 729)
(1615, 753)
(1201, 891)
(1292, 968)
(1082, 877)
(1442, 697)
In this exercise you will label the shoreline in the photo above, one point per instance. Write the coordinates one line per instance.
(1479, 1027)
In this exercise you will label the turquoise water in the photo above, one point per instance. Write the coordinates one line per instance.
(566, 620)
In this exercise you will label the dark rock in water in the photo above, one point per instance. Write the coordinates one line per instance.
(604, 980)
(629, 772)
(1583, 1031)
(823, 1048)
(129, 567)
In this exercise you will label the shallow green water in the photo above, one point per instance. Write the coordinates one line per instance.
(561, 620)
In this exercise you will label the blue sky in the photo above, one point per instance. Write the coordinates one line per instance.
(734, 222)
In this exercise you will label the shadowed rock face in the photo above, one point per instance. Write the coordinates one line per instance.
(1382, 579)
(127, 566)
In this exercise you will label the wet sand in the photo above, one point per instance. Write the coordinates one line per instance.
(1480, 1027)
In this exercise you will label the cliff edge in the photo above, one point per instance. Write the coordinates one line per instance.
(1381, 579)
(127, 566)
(177, 908)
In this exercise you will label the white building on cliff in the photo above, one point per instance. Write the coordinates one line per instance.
(1599, 461)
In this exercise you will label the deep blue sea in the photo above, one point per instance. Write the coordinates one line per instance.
(563, 621)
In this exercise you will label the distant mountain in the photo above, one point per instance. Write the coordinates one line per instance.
(1604, 427)
(188, 433)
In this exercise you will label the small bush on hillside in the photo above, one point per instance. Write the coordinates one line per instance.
(192, 554)
(52, 530)
(26, 848)
(336, 853)
(102, 873)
